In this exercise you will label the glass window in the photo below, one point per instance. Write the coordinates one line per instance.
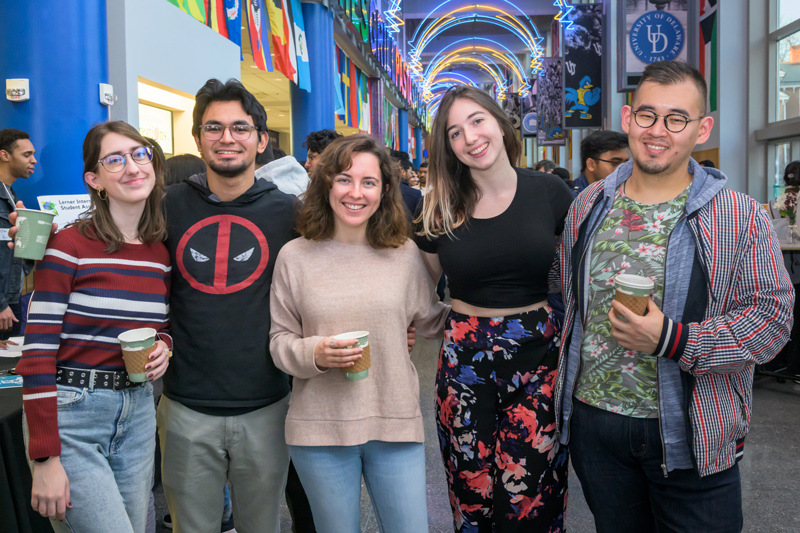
(788, 100)
(782, 158)
(788, 12)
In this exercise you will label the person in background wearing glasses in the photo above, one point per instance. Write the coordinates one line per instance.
(315, 143)
(601, 153)
(224, 406)
(89, 432)
(655, 408)
(17, 160)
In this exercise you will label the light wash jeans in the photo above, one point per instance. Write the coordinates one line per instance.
(107, 447)
(394, 473)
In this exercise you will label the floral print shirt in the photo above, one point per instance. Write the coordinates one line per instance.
(631, 240)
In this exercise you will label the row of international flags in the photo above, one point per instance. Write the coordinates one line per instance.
(352, 96)
(282, 19)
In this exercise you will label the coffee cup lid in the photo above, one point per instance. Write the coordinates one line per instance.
(351, 335)
(633, 281)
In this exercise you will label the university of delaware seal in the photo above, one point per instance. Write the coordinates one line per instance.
(657, 36)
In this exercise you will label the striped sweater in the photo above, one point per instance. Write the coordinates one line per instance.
(84, 298)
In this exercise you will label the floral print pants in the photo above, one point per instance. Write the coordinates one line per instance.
(494, 412)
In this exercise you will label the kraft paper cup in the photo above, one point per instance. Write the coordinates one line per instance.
(137, 345)
(33, 231)
(632, 292)
(360, 369)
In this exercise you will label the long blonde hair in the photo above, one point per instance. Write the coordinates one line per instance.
(453, 192)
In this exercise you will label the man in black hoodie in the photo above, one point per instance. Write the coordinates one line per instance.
(224, 406)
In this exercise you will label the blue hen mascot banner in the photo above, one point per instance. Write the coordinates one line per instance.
(583, 67)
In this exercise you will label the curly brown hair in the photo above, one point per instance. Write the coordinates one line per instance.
(387, 228)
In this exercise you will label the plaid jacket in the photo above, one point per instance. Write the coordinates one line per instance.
(727, 287)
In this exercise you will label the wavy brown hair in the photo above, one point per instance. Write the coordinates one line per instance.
(387, 228)
(97, 223)
(454, 193)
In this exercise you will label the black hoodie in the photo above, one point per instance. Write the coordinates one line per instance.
(223, 254)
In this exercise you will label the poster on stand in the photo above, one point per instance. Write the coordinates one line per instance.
(66, 207)
(550, 102)
(529, 117)
(583, 67)
(513, 109)
(651, 31)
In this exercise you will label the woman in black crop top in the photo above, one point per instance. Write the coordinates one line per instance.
(493, 229)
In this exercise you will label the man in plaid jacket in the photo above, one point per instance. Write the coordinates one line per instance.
(655, 408)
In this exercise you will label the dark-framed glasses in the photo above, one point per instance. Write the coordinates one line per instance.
(214, 132)
(116, 162)
(613, 162)
(674, 122)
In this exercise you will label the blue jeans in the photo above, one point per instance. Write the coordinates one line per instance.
(618, 461)
(394, 473)
(108, 441)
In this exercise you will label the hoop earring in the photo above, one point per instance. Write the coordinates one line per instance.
(102, 194)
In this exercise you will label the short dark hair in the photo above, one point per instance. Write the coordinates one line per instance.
(791, 175)
(316, 141)
(545, 165)
(182, 167)
(707, 163)
(424, 164)
(231, 91)
(267, 156)
(9, 138)
(279, 154)
(672, 73)
(562, 173)
(600, 142)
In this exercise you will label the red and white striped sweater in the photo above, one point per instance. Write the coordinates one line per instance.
(83, 299)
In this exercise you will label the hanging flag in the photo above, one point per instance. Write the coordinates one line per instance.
(196, 8)
(345, 72)
(363, 89)
(708, 50)
(216, 17)
(289, 31)
(261, 57)
(301, 47)
(233, 20)
(337, 85)
(280, 38)
(353, 95)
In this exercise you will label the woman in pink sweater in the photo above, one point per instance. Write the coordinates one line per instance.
(355, 269)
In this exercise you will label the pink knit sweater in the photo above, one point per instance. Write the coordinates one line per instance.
(326, 288)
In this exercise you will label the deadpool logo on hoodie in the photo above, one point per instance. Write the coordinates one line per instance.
(222, 254)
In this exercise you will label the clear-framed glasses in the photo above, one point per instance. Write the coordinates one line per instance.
(116, 162)
(214, 132)
(674, 122)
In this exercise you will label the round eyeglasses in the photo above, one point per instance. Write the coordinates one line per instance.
(116, 162)
(214, 132)
(674, 122)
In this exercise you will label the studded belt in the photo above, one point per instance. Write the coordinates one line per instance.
(103, 379)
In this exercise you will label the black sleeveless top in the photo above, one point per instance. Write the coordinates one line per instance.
(504, 261)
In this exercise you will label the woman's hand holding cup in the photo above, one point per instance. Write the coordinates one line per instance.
(159, 361)
(12, 231)
(330, 353)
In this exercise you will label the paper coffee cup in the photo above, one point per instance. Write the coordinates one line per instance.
(137, 345)
(633, 292)
(360, 369)
(33, 230)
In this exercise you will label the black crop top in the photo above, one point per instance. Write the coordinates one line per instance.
(504, 261)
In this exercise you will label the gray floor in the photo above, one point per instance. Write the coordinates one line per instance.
(770, 469)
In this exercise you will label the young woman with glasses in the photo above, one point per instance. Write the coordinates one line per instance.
(493, 229)
(89, 431)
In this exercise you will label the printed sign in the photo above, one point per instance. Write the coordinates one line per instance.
(657, 36)
(583, 67)
(66, 207)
